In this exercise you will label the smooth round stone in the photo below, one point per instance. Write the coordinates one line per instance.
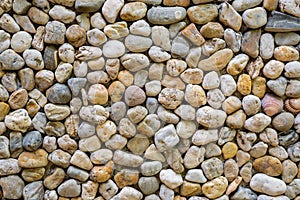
(170, 98)
(32, 141)
(268, 165)
(267, 184)
(69, 188)
(11, 60)
(98, 94)
(59, 94)
(217, 118)
(44, 79)
(273, 69)
(18, 99)
(136, 43)
(133, 11)
(283, 122)
(212, 168)
(96, 37)
(33, 59)
(54, 179)
(161, 37)
(255, 18)
(266, 46)
(76, 35)
(134, 95)
(33, 159)
(148, 185)
(66, 53)
(113, 49)
(135, 62)
(21, 41)
(292, 69)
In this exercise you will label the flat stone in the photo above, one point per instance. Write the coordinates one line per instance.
(268, 165)
(137, 43)
(55, 32)
(165, 15)
(135, 62)
(81, 160)
(212, 168)
(280, 22)
(87, 6)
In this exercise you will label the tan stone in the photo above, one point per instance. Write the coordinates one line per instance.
(4, 109)
(18, 99)
(268, 165)
(31, 175)
(201, 14)
(54, 178)
(33, 159)
(116, 91)
(183, 3)
(259, 86)
(133, 11)
(126, 177)
(244, 84)
(191, 32)
(212, 30)
(217, 61)
(190, 189)
(102, 173)
(286, 53)
(215, 188)
(98, 94)
(229, 150)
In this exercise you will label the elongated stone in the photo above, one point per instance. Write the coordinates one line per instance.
(166, 15)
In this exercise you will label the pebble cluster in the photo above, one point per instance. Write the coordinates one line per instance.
(149, 99)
